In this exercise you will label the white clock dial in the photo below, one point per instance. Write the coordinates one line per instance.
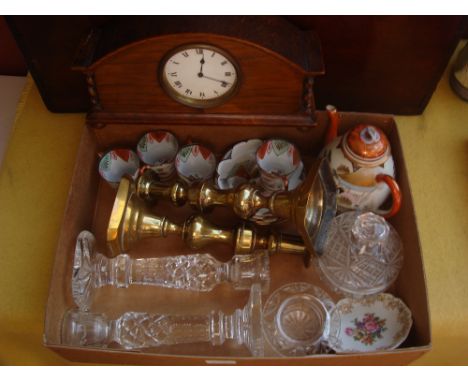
(199, 76)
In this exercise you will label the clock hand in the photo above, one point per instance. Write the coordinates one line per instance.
(202, 61)
(214, 79)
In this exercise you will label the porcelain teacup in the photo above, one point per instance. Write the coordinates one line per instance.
(158, 150)
(279, 162)
(195, 163)
(116, 163)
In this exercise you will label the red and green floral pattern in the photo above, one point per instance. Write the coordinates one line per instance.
(279, 147)
(194, 150)
(158, 136)
(123, 154)
(368, 330)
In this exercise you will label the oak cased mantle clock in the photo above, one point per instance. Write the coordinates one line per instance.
(252, 70)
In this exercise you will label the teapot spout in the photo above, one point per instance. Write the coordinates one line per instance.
(333, 122)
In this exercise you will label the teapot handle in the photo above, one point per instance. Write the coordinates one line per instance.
(396, 195)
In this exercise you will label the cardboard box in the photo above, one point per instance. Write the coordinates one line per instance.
(88, 207)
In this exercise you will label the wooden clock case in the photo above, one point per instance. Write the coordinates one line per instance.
(278, 65)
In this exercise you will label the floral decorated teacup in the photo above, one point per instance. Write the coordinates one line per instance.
(158, 150)
(238, 165)
(279, 162)
(116, 163)
(195, 163)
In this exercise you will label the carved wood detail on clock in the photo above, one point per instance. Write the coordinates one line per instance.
(309, 99)
(92, 90)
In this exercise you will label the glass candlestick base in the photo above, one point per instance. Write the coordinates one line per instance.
(139, 330)
(197, 272)
(296, 319)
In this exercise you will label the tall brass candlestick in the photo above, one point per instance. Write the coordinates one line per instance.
(311, 207)
(130, 222)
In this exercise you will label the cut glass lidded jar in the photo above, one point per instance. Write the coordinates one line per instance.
(363, 254)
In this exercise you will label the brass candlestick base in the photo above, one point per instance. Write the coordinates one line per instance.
(311, 207)
(130, 221)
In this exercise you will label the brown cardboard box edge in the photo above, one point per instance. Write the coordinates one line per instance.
(393, 358)
(79, 214)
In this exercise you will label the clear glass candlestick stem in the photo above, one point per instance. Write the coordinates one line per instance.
(197, 272)
(138, 330)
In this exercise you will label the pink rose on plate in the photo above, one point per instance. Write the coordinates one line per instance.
(349, 331)
(371, 326)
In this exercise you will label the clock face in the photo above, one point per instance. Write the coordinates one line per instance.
(199, 75)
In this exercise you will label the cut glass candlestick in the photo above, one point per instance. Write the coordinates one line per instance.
(139, 330)
(197, 272)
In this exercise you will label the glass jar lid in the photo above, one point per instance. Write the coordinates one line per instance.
(363, 254)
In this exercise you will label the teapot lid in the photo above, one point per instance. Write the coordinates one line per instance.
(367, 145)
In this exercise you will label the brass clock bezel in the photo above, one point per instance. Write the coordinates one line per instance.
(198, 103)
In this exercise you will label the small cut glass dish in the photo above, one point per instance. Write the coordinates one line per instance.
(296, 319)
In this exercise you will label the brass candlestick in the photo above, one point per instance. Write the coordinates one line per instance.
(311, 207)
(130, 222)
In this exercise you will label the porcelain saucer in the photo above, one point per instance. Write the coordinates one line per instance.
(379, 322)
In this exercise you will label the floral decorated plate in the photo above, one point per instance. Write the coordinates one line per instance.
(369, 324)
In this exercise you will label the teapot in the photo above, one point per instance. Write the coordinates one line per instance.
(363, 167)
